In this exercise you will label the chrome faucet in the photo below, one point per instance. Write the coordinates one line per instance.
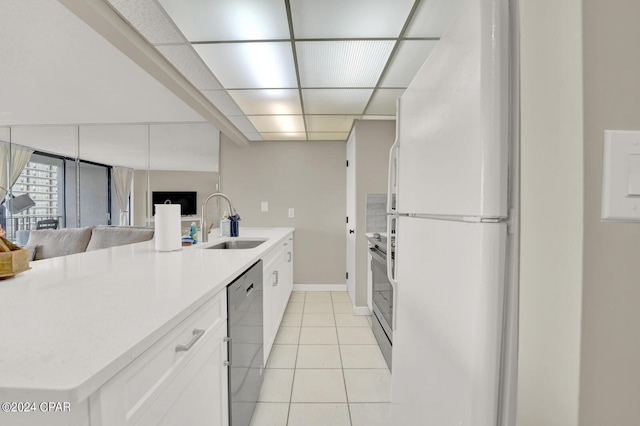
(204, 234)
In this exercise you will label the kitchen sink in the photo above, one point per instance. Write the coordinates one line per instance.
(236, 245)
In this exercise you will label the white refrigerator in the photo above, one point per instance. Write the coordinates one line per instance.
(453, 204)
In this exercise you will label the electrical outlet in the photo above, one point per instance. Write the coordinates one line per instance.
(291, 212)
(264, 206)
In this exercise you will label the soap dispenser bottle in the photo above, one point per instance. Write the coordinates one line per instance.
(193, 233)
(225, 225)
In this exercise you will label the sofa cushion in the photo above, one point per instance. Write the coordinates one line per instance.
(110, 236)
(59, 242)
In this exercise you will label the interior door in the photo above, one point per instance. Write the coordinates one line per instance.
(351, 216)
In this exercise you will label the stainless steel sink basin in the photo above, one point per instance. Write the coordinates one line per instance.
(236, 245)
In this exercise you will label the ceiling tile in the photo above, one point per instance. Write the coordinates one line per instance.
(251, 65)
(327, 136)
(278, 123)
(330, 123)
(221, 100)
(335, 101)
(187, 61)
(268, 101)
(433, 17)
(383, 102)
(408, 59)
(243, 124)
(291, 136)
(356, 63)
(254, 136)
(149, 19)
(349, 19)
(207, 20)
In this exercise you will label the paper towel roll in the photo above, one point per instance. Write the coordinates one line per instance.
(168, 231)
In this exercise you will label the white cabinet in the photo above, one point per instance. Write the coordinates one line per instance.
(181, 379)
(278, 284)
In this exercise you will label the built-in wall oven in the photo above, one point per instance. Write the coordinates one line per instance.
(381, 297)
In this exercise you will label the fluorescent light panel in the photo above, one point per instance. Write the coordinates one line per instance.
(207, 20)
(349, 19)
(330, 123)
(278, 123)
(251, 65)
(335, 101)
(356, 63)
(285, 136)
(268, 101)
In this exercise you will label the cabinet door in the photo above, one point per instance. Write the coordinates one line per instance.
(198, 396)
(277, 306)
(289, 266)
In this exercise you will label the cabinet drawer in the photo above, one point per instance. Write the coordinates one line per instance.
(274, 255)
(135, 388)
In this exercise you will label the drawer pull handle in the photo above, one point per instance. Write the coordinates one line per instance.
(197, 334)
(289, 253)
(275, 283)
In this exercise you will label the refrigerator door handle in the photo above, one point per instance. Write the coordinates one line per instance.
(392, 182)
(391, 256)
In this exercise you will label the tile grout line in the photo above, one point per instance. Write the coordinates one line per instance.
(344, 379)
(295, 369)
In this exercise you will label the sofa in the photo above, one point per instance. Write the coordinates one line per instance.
(48, 243)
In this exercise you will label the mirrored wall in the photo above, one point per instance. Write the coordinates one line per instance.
(54, 177)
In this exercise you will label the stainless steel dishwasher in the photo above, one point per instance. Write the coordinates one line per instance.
(245, 344)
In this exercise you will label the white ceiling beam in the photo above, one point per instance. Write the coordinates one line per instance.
(101, 17)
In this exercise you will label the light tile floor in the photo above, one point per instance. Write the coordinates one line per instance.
(325, 368)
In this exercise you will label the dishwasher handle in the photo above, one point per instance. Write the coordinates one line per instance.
(229, 351)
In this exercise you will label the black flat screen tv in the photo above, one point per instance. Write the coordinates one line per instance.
(186, 199)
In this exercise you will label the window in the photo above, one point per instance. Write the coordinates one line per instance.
(51, 182)
(42, 179)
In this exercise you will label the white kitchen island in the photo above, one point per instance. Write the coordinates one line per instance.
(96, 332)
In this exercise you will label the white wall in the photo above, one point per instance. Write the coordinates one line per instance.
(308, 176)
(551, 212)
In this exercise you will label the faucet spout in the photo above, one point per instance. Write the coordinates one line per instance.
(204, 237)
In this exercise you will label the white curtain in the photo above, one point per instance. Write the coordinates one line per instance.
(13, 158)
(123, 179)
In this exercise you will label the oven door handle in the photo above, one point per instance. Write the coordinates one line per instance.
(376, 256)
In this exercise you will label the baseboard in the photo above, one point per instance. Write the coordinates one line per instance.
(319, 287)
(361, 310)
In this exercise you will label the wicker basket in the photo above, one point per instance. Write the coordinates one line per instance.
(13, 259)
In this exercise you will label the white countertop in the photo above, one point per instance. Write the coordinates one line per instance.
(72, 322)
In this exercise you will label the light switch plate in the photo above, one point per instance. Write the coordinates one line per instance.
(264, 206)
(291, 212)
(621, 176)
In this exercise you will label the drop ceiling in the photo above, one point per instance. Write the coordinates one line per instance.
(294, 69)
